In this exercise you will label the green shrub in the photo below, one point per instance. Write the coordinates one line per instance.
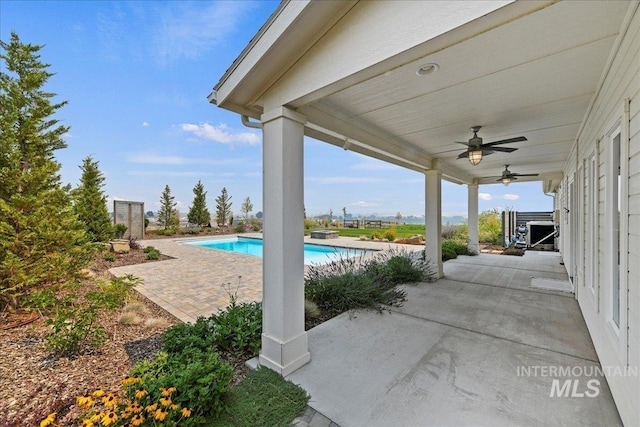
(110, 257)
(390, 235)
(153, 254)
(490, 227)
(183, 335)
(400, 269)
(238, 328)
(120, 230)
(352, 283)
(240, 228)
(448, 253)
(202, 379)
(148, 249)
(74, 317)
(308, 223)
(458, 248)
(376, 236)
(166, 231)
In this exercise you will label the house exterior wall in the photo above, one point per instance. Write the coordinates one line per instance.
(589, 243)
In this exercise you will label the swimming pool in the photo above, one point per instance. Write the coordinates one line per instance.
(313, 254)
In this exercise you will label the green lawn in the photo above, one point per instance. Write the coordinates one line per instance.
(402, 231)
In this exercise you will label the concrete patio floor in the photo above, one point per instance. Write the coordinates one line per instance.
(477, 348)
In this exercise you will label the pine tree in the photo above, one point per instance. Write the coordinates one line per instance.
(42, 243)
(223, 207)
(247, 207)
(167, 213)
(90, 202)
(198, 213)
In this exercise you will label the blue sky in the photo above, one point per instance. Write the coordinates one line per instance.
(137, 74)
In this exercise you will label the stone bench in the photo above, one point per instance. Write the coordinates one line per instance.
(324, 234)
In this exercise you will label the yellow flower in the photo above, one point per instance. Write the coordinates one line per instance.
(136, 407)
(109, 418)
(174, 407)
(96, 418)
(87, 423)
(151, 408)
(86, 402)
(186, 412)
(161, 414)
(109, 400)
(165, 401)
(98, 393)
(167, 391)
(130, 380)
(137, 420)
(140, 393)
(49, 420)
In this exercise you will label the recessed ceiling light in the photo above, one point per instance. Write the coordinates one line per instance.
(425, 69)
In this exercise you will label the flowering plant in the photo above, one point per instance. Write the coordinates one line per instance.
(110, 409)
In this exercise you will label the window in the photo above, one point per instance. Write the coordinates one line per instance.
(615, 227)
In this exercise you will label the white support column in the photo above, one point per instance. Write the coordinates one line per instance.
(472, 215)
(433, 218)
(284, 340)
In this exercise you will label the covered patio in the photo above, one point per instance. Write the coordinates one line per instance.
(405, 83)
(476, 348)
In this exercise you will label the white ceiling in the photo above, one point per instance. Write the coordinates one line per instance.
(534, 75)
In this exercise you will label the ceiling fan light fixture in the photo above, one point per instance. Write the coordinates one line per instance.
(506, 180)
(475, 157)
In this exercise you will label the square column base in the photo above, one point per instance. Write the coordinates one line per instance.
(284, 357)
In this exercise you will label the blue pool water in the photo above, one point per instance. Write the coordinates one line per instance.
(313, 254)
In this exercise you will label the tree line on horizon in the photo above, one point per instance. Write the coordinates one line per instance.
(199, 215)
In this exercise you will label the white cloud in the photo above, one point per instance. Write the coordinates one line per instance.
(374, 166)
(485, 196)
(145, 124)
(511, 197)
(153, 159)
(221, 134)
(364, 205)
(194, 174)
(190, 30)
(343, 180)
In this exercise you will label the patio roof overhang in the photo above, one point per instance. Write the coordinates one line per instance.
(529, 68)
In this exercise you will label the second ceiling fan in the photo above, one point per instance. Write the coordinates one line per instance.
(508, 176)
(476, 149)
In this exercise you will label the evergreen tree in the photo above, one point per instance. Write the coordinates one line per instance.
(167, 213)
(90, 202)
(247, 207)
(223, 207)
(198, 213)
(42, 243)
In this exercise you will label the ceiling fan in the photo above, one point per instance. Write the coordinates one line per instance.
(508, 176)
(476, 149)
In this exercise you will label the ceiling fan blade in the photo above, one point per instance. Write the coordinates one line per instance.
(503, 149)
(463, 155)
(463, 143)
(506, 141)
(524, 174)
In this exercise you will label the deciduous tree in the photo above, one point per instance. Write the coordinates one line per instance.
(247, 207)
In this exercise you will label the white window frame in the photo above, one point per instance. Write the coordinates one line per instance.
(616, 197)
